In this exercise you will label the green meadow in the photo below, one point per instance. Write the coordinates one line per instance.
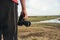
(41, 18)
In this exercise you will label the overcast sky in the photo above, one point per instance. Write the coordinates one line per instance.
(41, 7)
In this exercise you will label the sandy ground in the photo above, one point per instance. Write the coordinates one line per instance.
(38, 33)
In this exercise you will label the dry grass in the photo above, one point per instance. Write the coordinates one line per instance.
(38, 33)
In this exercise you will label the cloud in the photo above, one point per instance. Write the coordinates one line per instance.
(43, 7)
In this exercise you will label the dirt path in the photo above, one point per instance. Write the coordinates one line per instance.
(38, 33)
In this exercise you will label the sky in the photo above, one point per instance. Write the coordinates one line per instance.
(41, 7)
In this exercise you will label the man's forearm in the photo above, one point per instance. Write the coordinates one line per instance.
(23, 4)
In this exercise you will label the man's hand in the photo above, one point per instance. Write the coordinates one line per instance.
(23, 16)
(23, 12)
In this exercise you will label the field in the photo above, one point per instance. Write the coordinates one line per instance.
(41, 18)
(40, 31)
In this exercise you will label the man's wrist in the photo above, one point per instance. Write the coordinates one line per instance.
(24, 11)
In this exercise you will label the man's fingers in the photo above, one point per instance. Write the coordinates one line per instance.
(26, 17)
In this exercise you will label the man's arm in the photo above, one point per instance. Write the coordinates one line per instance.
(23, 5)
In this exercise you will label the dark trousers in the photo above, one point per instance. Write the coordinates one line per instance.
(8, 20)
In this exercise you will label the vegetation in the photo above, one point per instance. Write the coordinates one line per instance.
(40, 18)
(40, 31)
(56, 25)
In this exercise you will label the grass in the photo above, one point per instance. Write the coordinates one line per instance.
(34, 39)
(46, 24)
(41, 31)
(40, 18)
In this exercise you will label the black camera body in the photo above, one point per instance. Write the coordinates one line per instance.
(21, 21)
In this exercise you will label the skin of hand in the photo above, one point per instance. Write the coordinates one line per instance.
(23, 5)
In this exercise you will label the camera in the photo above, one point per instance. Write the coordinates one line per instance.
(21, 21)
